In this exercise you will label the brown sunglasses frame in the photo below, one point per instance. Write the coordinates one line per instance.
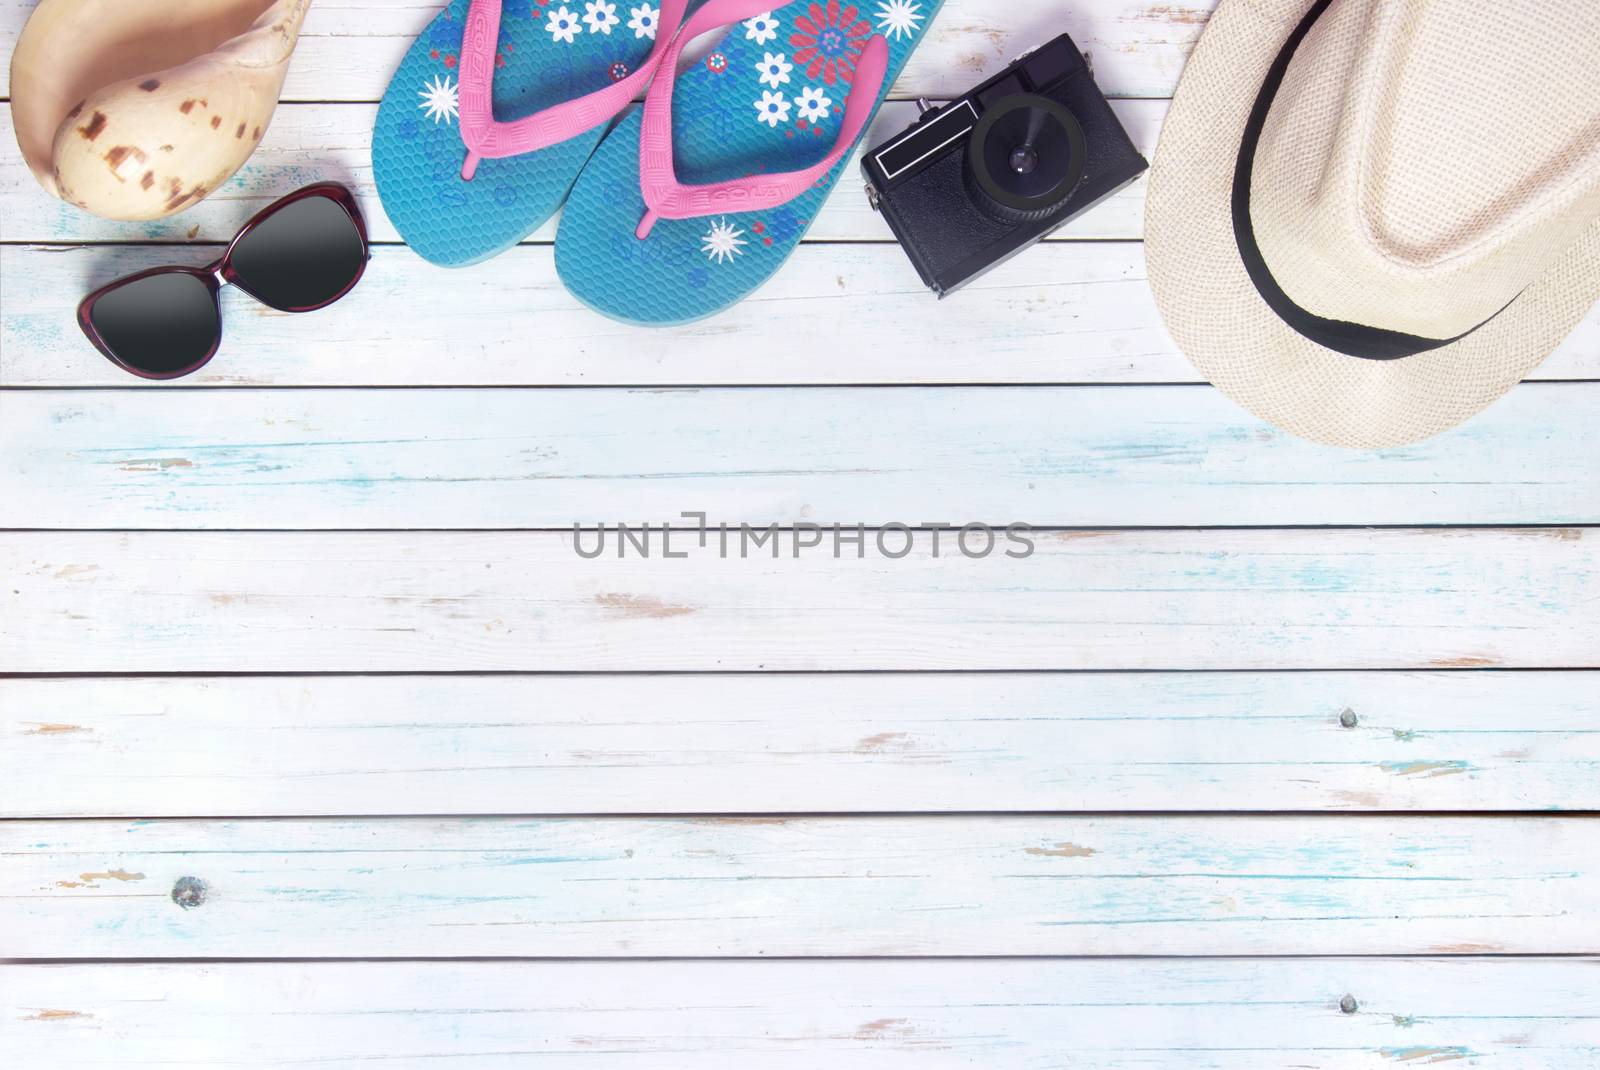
(222, 272)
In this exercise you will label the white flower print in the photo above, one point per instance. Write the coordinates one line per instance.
(813, 104)
(440, 100)
(600, 16)
(774, 69)
(772, 109)
(644, 22)
(761, 29)
(899, 18)
(723, 242)
(563, 25)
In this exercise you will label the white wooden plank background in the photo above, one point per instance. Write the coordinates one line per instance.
(1100, 1015)
(775, 887)
(1462, 603)
(1170, 456)
(288, 602)
(776, 743)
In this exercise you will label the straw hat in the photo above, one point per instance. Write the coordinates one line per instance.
(1370, 218)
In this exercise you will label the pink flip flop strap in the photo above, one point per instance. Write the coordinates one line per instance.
(666, 198)
(487, 139)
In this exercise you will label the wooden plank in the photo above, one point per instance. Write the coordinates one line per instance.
(351, 602)
(1063, 313)
(1018, 1015)
(1069, 312)
(349, 48)
(1075, 456)
(774, 887)
(306, 746)
(418, 602)
(338, 137)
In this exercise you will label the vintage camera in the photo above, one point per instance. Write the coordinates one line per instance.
(971, 184)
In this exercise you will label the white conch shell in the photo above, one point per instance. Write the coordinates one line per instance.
(132, 109)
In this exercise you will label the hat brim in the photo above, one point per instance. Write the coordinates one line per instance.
(1225, 328)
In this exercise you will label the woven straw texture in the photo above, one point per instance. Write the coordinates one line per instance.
(1392, 189)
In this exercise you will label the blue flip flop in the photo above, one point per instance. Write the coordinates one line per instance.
(488, 121)
(740, 151)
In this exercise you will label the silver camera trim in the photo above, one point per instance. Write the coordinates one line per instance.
(921, 129)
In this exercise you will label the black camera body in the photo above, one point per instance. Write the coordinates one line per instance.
(971, 184)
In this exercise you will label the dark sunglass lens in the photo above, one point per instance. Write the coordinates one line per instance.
(301, 256)
(159, 324)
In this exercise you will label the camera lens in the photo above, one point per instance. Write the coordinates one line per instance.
(1025, 157)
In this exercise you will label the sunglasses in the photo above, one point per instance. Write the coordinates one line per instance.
(298, 254)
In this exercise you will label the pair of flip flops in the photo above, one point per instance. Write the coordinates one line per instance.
(498, 117)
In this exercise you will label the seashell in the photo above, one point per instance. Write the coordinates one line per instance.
(136, 110)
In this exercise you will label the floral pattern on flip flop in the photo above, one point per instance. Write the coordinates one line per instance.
(563, 25)
(644, 21)
(762, 28)
(723, 242)
(441, 100)
(772, 109)
(600, 16)
(813, 104)
(899, 18)
(828, 39)
(774, 68)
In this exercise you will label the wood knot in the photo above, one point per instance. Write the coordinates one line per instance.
(189, 892)
(1348, 1004)
(1348, 718)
